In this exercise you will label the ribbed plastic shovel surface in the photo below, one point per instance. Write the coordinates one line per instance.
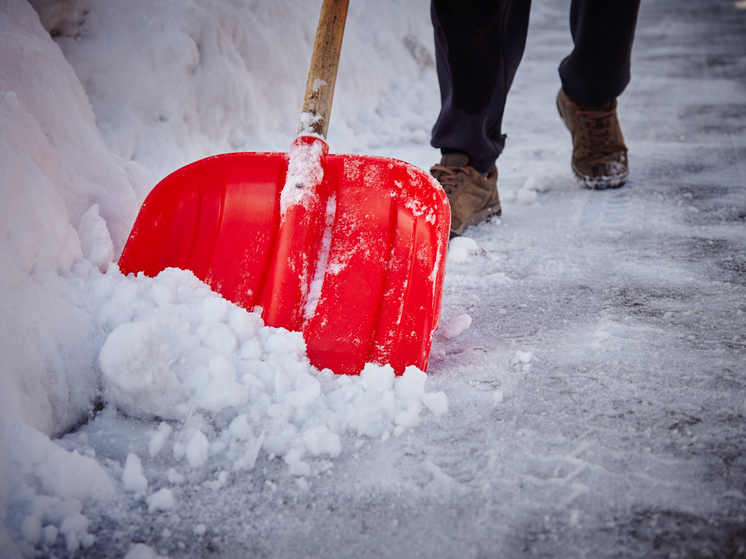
(349, 250)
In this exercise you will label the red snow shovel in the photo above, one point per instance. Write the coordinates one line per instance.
(347, 249)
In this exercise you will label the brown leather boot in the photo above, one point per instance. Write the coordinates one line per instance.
(473, 197)
(599, 156)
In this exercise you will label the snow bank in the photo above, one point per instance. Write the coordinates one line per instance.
(56, 169)
(64, 196)
(172, 82)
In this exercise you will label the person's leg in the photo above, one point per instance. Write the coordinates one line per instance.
(595, 73)
(478, 46)
(598, 69)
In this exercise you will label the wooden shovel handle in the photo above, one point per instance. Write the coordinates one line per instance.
(317, 104)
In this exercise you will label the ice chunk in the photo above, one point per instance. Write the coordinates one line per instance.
(73, 527)
(239, 428)
(320, 440)
(244, 324)
(252, 453)
(216, 484)
(297, 466)
(132, 476)
(436, 402)
(306, 395)
(161, 500)
(411, 384)
(222, 390)
(175, 477)
(457, 326)
(159, 439)
(377, 378)
(408, 418)
(197, 450)
(521, 357)
(136, 370)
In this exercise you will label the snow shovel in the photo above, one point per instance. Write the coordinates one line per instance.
(347, 249)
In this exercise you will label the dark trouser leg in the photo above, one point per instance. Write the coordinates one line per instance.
(478, 46)
(597, 70)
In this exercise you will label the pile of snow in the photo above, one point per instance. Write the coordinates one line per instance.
(56, 169)
(233, 387)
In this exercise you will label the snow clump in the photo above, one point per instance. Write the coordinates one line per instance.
(460, 249)
(457, 326)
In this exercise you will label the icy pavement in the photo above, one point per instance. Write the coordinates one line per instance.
(596, 396)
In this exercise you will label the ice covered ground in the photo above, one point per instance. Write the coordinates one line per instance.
(586, 391)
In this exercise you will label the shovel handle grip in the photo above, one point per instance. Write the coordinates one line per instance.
(317, 104)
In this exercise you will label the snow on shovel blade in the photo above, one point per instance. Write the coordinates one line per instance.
(352, 256)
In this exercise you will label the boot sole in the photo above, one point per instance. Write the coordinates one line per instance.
(602, 183)
(476, 218)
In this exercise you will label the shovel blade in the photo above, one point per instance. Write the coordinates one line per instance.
(360, 273)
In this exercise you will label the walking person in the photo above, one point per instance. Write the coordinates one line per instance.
(478, 47)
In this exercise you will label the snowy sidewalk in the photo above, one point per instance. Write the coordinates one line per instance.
(596, 402)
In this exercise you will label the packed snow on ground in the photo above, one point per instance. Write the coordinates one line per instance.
(585, 395)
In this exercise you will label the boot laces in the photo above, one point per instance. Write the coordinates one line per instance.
(448, 177)
(596, 125)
